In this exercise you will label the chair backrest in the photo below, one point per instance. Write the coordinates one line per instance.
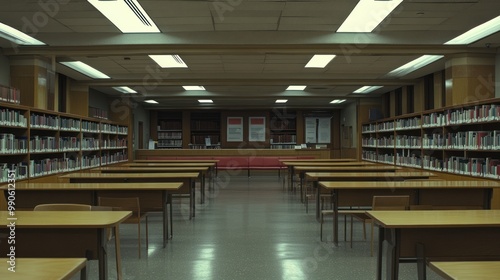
(391, 202)
(62, 207)
(121, 204)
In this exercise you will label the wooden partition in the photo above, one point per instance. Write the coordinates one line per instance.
(317, 153)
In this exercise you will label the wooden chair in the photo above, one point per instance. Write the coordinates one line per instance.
(62, 207)
(128, 204)
(358, 214)
(385, 203)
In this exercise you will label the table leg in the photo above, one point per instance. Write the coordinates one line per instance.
(335, 208)
(318, 208)
(118, 255)
(165, 218)
(203, 188)
(171, 216)
(381, 237)
(193, 200)
(103, 255)
(83, 273)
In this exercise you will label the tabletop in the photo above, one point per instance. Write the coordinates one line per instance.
(64, 219)
(42, 268)
(456, 270)
(354, 175)
(346, 168)
(436, 218)
(409, 184)
(96, 186)
(131, 175)
(173, 164)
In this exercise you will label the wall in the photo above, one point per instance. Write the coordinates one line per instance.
(141, 114)
(349, 117)
(98, 99)
(4, 71)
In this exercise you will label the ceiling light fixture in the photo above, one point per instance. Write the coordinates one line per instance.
(17, 36)
(413, 65)
(320, 60)
(124, 89)
(366, 89)
(193, 87)
(205, 101)
(295, 87)
(85, 69)
(126, 15)
(337, 101)
(281, 101)
(169, 61)
(479, 32)
(151, 101)
(367, 15)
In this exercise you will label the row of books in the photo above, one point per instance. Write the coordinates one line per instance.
(283, 138)
(49, 166)
(203, 146)
(43, 144)
(283, 146)
(205, 139)
(378, 157)
(433, 141)
(90, 161)
(98, 113)
(44, 121)
(408, 123)
(90, 144)
(10, 144)
(408, 160)
(385, 126)
(20, 169)
(88, 126)
(9, 94)
(482, 167)
(170, 135)
(474, 140)
(480, 113)
(170, 125)
(70, 124)
(163, 143)
(13, 118)
(369, 128)
(408, 141)
(109, 158)
(67, 144)
(114, 143)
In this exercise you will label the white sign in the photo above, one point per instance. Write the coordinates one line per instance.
(257, 129)
(234, 129)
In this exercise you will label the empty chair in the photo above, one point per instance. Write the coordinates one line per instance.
(392, 202)
(128, 204)
(352, 213)
(62, 207)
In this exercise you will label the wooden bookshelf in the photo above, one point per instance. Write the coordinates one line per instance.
(283, 130)
(462, 140)
(37, 142)
(205, 130)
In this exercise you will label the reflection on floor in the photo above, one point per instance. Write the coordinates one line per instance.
(248, 228)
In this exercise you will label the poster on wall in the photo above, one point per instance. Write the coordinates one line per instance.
(310, 130)
(324, 130)
(234, 129)
(257, 129)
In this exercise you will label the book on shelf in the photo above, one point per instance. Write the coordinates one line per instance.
(14, 118)
(10, 95)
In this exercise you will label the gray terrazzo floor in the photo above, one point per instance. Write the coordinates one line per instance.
(249, 228)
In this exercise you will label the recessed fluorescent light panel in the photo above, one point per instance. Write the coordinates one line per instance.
(337, 101)
(193, 87)
(320, 60)
(124, 89)
(367, 15)
(413, 65)
(205, 101)
(169, 61)
(17, 36)
(295, 87)
(281, 100)
(85, 69)
(366, 89)
(126, 15)
(477, 33)
(151, 101)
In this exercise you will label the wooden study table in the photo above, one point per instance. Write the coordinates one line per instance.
(44, 268)
(478, 270)
(138, 178)
(202, 169)
(64, 234)
(291, 165)
(212, 164)
(439, 194)
(332, 169)
(151, 195)
(443, 234)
